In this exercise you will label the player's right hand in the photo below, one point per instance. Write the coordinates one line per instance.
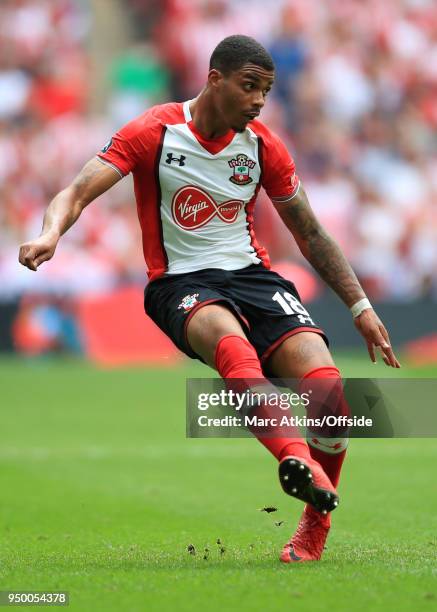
(35, 252)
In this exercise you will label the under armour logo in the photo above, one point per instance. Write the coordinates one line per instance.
(180, 160)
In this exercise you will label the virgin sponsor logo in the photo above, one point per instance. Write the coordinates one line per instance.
(192, 207)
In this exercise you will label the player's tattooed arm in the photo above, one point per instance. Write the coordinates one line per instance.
(319, 248)
(327, 258)
(63, 211)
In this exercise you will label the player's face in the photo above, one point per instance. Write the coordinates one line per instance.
(242, 94)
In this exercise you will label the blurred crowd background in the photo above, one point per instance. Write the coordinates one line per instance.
(355, 100)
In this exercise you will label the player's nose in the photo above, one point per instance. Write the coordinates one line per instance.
(258, 100)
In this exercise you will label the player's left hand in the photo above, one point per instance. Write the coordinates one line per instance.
(374, 333)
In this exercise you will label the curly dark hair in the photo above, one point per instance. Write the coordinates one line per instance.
(235, 51)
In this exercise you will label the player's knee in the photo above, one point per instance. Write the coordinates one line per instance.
(213, 321)
(208, 326)
(300, 354)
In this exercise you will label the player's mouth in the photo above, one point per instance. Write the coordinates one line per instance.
(252, 115)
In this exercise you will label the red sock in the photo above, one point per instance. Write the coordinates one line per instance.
(328, 451)
(236, 358)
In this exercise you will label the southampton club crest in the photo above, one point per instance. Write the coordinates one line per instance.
(242, 166)
(188, 302)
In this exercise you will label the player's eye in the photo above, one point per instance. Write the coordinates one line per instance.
(249, 86)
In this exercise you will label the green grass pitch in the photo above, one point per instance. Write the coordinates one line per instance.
(101, 494)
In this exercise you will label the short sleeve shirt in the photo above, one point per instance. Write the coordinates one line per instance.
(196, 196)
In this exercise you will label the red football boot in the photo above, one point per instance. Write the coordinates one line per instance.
(308, 542)
(306, 480)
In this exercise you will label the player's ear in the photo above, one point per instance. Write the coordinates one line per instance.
(215, 77)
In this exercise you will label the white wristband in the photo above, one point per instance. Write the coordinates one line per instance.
(359, 306)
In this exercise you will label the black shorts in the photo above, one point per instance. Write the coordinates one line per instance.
(268, 306)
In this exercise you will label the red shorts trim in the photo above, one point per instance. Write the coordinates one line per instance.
(288, 334)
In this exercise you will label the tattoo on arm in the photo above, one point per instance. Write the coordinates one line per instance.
(87, 173)
(93, 180)
(319, 248)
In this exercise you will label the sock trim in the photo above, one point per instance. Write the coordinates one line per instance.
(330, 446)
(332, 369)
